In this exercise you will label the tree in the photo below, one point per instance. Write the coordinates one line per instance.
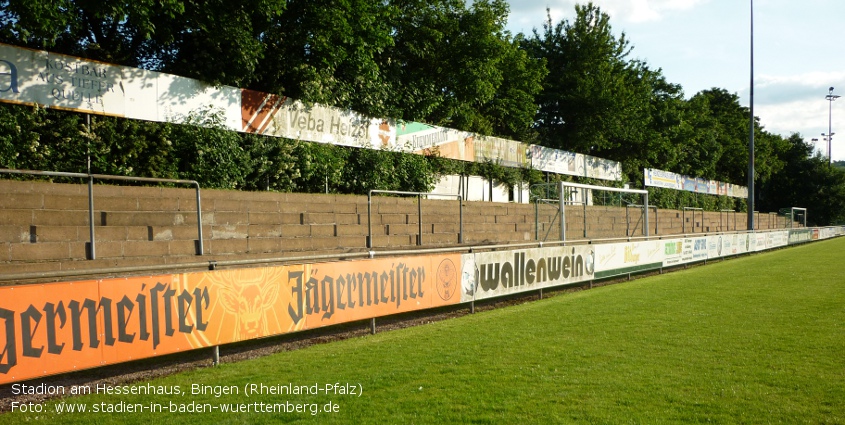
(328, 52)
(459, 68)
(585, 103)
(806, 181)
(216, 41)
(596, 101)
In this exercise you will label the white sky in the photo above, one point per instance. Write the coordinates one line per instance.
(799, 52)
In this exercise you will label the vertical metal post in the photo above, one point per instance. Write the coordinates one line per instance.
(373, 326)
(369, 219)
(88, 143)
(645, 202)
(536, 219)
(215, 355)
(200, 248)
(584, 203)
(92, 254)
(460, 219)
(751, 133)
(419, 218)
(562, 202)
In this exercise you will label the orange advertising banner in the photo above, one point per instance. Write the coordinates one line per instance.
(47, 329)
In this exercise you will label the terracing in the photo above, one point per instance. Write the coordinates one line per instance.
(44, 227)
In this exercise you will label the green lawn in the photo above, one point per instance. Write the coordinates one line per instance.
(759, 339)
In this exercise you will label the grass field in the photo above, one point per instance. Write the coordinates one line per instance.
(759, 339)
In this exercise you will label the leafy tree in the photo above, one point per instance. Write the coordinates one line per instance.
(273, 163)
(216, 41)
(328, 52)
(209, 153)
(110, 30)
(510, 112)
(587, 103)
(41, 139)
(459, 68)
(806, 181)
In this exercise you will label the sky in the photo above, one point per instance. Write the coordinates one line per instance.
(799, 53)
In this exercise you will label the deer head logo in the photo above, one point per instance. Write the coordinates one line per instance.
(249, 295)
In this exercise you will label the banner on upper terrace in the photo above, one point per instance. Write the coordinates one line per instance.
(670, 180)
(53, 328)
(34, 77)
(573, 164)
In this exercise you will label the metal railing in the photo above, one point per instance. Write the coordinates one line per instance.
(563, 202)
(419, 196)
(556, 203)
(684, 218)
(537, 203)
(92, 251)
(628, 219)
(792, 215)
(773, 220)
(725, 212)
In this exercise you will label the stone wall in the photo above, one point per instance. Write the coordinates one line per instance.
(44, 226)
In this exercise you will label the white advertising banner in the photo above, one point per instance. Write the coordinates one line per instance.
(506, 152)
(672, 251)
(279, 116)
(65, 82)
(493, 274)
(573, 164)
(714, 246)
(660, 178)
(555, 161)
(667, 179)
(600, 168)
(628, 257)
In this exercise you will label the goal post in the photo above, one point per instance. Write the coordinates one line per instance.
(563, 200)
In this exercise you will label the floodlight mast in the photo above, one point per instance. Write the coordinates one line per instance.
(829, 136)
(751, 133)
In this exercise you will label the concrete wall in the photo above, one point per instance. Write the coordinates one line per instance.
(44, 226)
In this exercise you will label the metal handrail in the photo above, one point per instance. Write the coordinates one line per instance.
(684, 218)
(792, 215)
(562, 201)
(419, 196)
(721, 227)
(212, 265)
(92, 252)
(628, 220)
(537, 202)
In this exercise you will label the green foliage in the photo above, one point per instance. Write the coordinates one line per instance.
(132, 148)
(328, 52)
(588, 103)
(320, 167)
(370, 169)
(273, 163)
(41, 139)
(570, 85)
(807, 181)
(209, 153)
